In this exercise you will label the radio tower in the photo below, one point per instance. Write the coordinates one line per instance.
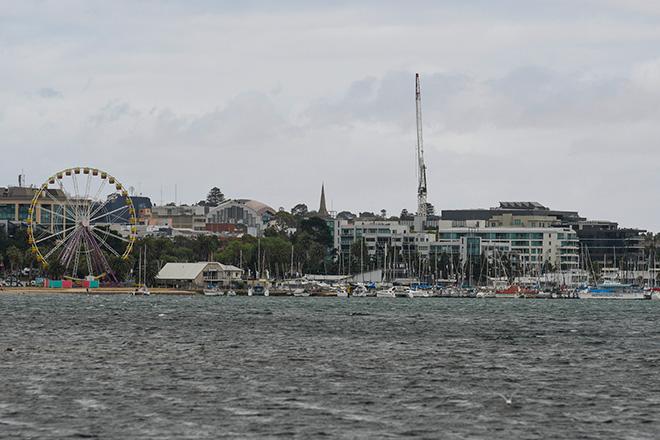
(421, 188)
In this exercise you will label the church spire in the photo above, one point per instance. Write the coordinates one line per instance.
(323, 211)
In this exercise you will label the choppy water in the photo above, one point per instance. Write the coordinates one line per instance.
(238, 367)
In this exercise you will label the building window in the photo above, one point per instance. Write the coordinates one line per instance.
(7, 212)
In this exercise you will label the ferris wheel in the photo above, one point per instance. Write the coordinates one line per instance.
(81, 218)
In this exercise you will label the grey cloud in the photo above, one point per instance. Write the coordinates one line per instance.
(389, 99)
(48, 93)
(112, 112)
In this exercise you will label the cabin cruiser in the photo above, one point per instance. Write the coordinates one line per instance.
(258, 290)
(385, 293)
(213, 291)
(614, 290)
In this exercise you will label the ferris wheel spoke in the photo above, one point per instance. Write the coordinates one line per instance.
(87, 188)
(69, 251)
(117, 217)
(104, 244)
(76, 259)
(60, 244)
(88, 257)
(96, 196)
(107, 214)
(64, 231)
(57, 214)
(99, 208)
(66, 199)
(111, 234)
(76, 198)
(59, 203)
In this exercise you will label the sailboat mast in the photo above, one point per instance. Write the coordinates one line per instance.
(139, 281)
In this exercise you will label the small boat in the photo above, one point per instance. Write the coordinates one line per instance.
(385, 293)
(231, 292)
(402, 292)
(360, 291)
(142, 291)
(486, 293)
(258, 290)
(214, 291)
(419, 293)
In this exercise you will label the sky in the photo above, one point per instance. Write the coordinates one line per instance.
(549, 101)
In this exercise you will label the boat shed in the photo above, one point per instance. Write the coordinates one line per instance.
(198, 275)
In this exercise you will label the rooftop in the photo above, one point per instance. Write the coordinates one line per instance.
(522, 205)
(189, 271)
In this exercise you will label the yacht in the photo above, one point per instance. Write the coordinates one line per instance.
(142, 291)
(402, 292)
(614, 290)
(385, 293)
(258, 290)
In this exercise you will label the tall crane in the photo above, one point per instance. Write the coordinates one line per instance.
(422, 208)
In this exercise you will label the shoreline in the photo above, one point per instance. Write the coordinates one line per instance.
(95, 291)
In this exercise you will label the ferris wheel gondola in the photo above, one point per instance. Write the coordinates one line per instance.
(80, 218)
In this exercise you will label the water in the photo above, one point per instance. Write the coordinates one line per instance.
(209, 367)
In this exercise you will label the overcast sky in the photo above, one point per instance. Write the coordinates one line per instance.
(549, 101)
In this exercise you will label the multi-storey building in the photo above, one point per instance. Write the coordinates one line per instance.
(179, 217)
(379, 234)
(527, 246)
(600, 241)
(250, 214)
(15, 205)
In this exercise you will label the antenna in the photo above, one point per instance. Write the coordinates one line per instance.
(421, 187)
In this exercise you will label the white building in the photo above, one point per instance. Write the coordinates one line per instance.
(379, 234)
(530, 246)
(198, 275)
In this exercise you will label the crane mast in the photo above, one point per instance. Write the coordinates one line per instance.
(421, 188)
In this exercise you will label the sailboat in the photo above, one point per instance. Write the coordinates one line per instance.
(142, 276)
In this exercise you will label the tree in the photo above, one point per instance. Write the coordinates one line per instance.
(300, 210)
(285, 220)
(359, 256)
(15, 257)
(346, 215)
(215, 197)
(405, 215)
(318, 230)
(55, 270)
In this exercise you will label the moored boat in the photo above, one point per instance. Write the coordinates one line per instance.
(614, 290)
